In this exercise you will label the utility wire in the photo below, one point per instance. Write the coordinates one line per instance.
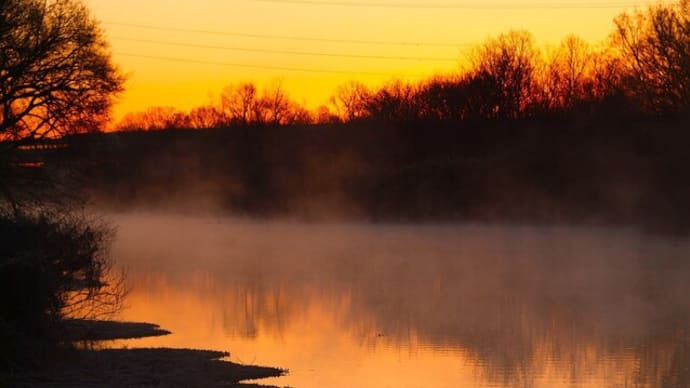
(307, 53)
(285, 37)
(265, 67)
(480, 6)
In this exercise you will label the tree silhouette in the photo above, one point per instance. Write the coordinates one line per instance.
(243, 104)
(350, 101)
(275, 106)
(56, 74)
(393, 102)
(442, 99)
(240, 103)
(56, 78)
(656, 50)
(503, 75)
(568, 74)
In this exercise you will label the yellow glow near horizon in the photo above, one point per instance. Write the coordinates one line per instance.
(194, 75)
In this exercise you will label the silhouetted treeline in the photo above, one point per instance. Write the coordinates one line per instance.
(577, 134)
(239, 105)
(644, 69)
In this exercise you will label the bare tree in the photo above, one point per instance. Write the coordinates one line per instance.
(568, 73)
(56, 78)
(655, 47)
(297, 114)
(349, 101)
(607, 75)
(240, 103)
(504, 69)
(243, 105)
(393, 102)
(56, 73)
(275, 106)
(442, 98)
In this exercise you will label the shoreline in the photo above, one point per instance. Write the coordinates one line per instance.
(135, 367)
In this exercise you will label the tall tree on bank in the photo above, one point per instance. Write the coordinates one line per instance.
(56, 73)
(56, 78)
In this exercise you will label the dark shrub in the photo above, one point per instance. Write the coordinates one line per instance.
(50, 267)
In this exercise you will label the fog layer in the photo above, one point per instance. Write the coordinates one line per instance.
(516, 299)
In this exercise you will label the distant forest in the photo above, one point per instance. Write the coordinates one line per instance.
(577, 133)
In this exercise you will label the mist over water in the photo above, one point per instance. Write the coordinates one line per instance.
(344, 305)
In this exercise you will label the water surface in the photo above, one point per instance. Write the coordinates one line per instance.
(343, 305)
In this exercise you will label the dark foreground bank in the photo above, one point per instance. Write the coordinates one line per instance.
(157, 367)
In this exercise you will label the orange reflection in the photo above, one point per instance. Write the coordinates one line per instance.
(348, 305)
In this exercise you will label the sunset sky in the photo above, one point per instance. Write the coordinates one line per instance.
(183, 53)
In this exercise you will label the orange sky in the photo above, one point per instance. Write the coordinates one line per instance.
(436, 33)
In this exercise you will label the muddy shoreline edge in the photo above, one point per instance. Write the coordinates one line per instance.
(89, 364)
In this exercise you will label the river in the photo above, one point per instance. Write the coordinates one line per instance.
(383, 305)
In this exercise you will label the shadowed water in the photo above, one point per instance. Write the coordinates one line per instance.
(344, 305)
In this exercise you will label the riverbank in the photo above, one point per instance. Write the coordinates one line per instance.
(86, 366)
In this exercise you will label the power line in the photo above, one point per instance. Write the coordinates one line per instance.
(480, 6)
(307, 53)
(264, 67)
(285, 37)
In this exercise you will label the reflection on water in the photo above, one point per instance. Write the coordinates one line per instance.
(417, 306)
